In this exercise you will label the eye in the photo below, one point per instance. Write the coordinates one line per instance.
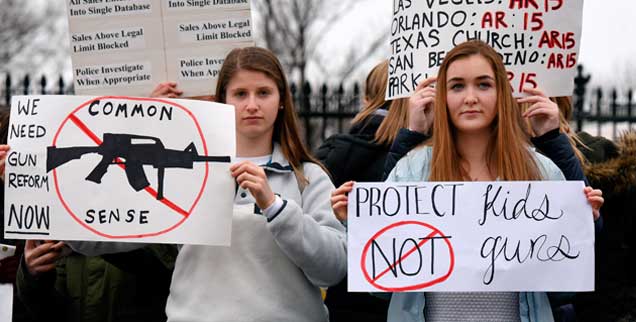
(485, 85)
(240, 93)
(264, 92)
(457, 86)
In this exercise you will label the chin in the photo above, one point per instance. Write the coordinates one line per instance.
(472, 128)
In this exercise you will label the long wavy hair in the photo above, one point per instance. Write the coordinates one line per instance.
(286, 129)
(375, 92)
(507, 151)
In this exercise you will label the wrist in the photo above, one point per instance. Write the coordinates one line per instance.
(418, 130)
(274, 208)
(269, 202)
(549, 134)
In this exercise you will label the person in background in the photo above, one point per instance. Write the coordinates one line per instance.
(360, 155)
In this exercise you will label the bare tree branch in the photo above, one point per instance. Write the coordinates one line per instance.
(29, 34)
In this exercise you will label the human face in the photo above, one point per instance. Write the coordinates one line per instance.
(256, 99)
(471, 94)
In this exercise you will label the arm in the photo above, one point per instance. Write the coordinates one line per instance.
(420, 122)
(405, 141)
(37, 281)
(557, 147)
(309, 234)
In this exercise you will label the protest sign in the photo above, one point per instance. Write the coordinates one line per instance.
(128, 47)
(6, 302)
(538, 40)
(119, 169)
(470, 236)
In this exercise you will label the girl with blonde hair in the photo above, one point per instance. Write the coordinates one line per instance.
(478, 135)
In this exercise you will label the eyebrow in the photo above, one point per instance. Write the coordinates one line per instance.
(459, 79)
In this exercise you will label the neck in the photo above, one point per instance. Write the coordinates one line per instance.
(253, 147)
(473, 150)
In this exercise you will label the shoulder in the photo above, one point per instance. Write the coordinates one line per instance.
(549, 170)
(337, 146)
(414, 166)
(311, 169)
(315, 174)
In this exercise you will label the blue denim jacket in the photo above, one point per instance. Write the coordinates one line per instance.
(409, 307)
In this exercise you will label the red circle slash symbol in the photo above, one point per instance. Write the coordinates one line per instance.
(392, 262)
(156, 198)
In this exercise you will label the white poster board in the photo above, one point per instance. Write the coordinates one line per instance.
(470, 236)
(128, 47)
(538, 40)
(6, 302)
(119, 169)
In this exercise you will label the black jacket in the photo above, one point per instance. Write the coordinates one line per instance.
(355, 156)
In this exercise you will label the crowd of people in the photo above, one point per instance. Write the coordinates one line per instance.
(290, 209)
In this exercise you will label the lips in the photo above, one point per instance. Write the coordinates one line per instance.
(471, 112)
(250, 118)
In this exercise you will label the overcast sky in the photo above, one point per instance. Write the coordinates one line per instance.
(608, 44)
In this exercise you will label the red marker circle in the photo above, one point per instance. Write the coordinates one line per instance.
(419, 286)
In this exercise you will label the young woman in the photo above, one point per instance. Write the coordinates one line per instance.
(477, 136)
(286, 242)
(279, 260)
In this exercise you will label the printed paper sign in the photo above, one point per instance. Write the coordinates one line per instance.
(127, 47)
(470, 236)
(538, 40)
(119, 169)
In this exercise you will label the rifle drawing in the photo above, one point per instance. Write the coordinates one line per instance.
(120, 149)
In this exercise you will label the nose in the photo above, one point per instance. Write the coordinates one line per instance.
(471, 97)
(252, 103)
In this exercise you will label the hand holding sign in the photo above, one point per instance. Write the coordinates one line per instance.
(166, 90)
(595, 199)
(41, 257)
(4, 149)
(252, 177)
(542, 113)
(339, 200)
(421, 106)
